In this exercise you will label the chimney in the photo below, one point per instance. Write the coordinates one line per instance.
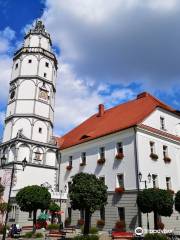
(142, 95)
(101, 110)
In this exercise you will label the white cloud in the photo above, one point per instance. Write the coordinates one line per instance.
(5, 38)
(2, 117)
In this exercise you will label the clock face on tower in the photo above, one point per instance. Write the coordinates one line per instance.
(43, 94)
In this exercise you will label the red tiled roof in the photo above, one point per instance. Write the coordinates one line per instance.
(115, 119)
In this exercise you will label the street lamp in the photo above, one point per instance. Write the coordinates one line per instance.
(145, 183)
(3, 163)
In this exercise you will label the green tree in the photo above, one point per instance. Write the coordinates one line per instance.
(87, 193)
(53, 208)
(177, 201)
(32, 198)
(155, 200)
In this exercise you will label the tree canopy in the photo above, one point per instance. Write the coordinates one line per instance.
(32, 198)
(53, 208)
(89, 193)
(177, 201)
(155, 200)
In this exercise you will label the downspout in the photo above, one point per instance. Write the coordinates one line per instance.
(137, 171)
(59, 166)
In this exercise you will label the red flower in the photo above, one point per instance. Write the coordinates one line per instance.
(69, 167)
(101, 161)
(80, 222)
(119, 156)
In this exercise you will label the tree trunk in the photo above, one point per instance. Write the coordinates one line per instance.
(34, 220)
(52, 218)
(87, 222)
(155, 220)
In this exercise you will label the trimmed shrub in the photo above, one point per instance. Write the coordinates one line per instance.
(93, 230)
(155, 236)
(28, 235)
(38, 235)
(53, 226)
(86, 237)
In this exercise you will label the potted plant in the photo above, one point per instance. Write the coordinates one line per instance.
(100, 223)
(160, 225)
(154, 156)
(167, 159)
(119, 189)
(67, 222)
(119, 156)
(80, 222)
(120, 225)
(101, 161)
(69, 167)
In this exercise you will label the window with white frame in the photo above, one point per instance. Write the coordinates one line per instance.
(83, 158)
(152, 146)
(102, 152)
(162, 123)
(168, 183)
(155, 180)
(165, 151)
(119, 147)
(70, 160)
(120, 180)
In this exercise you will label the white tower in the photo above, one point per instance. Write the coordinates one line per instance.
(28, 131)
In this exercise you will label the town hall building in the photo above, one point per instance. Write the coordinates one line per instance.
(131, 144)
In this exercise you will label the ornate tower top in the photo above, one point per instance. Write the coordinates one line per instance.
(39, 29)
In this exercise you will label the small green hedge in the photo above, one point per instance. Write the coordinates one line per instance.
(92, 230)
(88, 237)
(155, 236)
(35, 235)
(53, 226)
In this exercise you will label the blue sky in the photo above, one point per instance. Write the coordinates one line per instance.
(108, 51)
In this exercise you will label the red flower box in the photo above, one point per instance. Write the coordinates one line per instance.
(119, 156)
(101, 161)
(100, 223)
(167, 159)
(82, 164)
(69, 168)
(119, 189)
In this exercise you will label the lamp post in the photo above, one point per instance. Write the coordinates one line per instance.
(145, 183)
(3, 163)
(61, 191)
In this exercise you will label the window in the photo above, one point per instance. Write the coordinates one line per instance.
(120, 180)
(152, 147)
(30, 215)
(47, 64)
(165, 151)
(70, 160)
(40, 130)
(102, 213)
(16, 66)
(45, 74)
(162, 123)
(30, 61)
(119, 147)
(69, 212)
(102, 152)
(82, 214)
(155, 180)
(83, 158)
(102, 179)
(168, 182)
(121, 213)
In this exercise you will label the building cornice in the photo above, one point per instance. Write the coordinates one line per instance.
(28, 164)
(156, 132)
(33, 77)
(26, 140)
